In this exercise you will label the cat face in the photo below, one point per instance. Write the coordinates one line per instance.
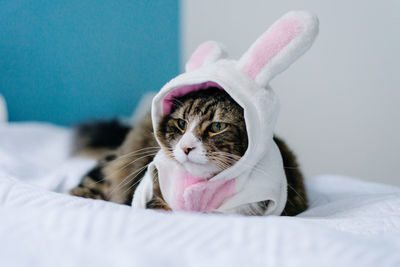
(205, 132)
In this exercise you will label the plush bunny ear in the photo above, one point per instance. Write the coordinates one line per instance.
(284, 42)
(208, 52)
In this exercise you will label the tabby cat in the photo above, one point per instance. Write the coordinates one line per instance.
(209, 116)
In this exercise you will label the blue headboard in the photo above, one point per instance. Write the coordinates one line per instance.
(71, 60)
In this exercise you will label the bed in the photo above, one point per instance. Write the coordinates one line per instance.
(350, 222)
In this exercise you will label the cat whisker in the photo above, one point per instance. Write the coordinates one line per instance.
(222, 164)
(145, 154)
(139, 150)
(224, 154)
(227, 154)
(290, 202)
(226, 160)
(297, 193)
(291, 168)
(127, 179)
(120, 169)
(139, 180)
(149, 154)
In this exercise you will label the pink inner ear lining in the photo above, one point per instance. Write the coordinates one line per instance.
(199, 56)
(273, 41)
(168, 100)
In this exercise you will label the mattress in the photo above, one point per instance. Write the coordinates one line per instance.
(350, 222)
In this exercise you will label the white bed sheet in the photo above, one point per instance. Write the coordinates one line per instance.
(349, 223)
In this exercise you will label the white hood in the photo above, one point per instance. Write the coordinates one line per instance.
(259, 175)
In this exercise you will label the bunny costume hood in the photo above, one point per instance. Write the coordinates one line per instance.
(259, 175)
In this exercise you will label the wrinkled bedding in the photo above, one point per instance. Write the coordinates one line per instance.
(350, 222)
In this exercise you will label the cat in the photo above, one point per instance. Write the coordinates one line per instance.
(216, 125)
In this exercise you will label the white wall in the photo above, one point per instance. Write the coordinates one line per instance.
(340, 102)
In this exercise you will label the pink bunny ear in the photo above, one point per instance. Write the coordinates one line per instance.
(284, 42)
(206, 53)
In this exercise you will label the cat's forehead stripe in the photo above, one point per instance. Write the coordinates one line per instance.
(211, 106)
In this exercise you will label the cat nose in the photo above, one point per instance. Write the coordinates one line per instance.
(187, 150)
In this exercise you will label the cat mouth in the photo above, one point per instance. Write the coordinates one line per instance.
(190, 161)
(197, 160)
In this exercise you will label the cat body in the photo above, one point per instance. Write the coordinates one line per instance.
(122, 171)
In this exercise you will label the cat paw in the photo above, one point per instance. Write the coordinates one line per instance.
(157, 203)
(86, 193)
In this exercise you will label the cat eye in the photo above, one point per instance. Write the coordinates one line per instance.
(217, 127)
(182, 124)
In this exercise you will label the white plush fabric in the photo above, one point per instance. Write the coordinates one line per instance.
(349, 223)
(259, 174)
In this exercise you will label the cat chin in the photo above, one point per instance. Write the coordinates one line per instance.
(205, 171)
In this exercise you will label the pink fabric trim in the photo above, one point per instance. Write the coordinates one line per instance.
(270, 44)
(195, 194)
(168, 100)
(200, 55)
